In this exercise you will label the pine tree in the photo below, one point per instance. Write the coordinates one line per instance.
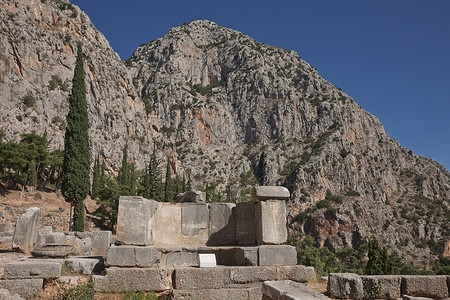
(96, 178)
(168, 185)
(380, 263)
(75, 183)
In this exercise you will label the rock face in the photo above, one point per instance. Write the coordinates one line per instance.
(230, 111)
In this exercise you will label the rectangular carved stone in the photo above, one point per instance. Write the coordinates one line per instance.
(246, 256)
(390, 284)
(121, 280)
(277, 255)
(121, 256)
(83, 265)
(194, 224)
(244, 275)
(217, 294)
(26, 230)
(168, 225)
(27, 288)
(147, 256)
(135, 221)
(289, 290)
(270, 192)
(270, 222)
(222, 224)
(179, 257)
(206, 278)
(428, 286)
(32, 269)
(345, 286)
(245, 223)
(100, 241)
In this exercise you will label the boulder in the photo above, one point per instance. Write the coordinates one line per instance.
(192, 196)
(262, 193)
(26, 230)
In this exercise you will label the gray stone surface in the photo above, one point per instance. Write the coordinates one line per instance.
(216, 294)
(245, 223)
(26, 230)
(53, 238)
(277, 255)
(270, 221)
(222, 224)
(345, 286)
(6, 295)
(168, 225)
(83, 265)
(270, 192)
(135, 221)
(289, 290)
(391, 285)
(205, 278)
(407, 297)
(80, 246)
(120, 280)
(192, 196)
(100, 241)
(32, 269)
(147, 256)
(194, 218)
(429, 286)
(52, 251)
(181, 257)
(121, 256)
(246, 256)
(244, 275)
(26, 288)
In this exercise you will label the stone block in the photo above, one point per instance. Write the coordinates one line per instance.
(70, 281)
(407, 297)
(222, 224)
(289, 290)
(26, 230)
(32, 269)
(54, 238)
(194, 224)
(80, 246)
(391, 285)
(296, 273)
(52, 251)
(147, 256)
(121, 256)
(429, 286)
(181, 257)
(168, 226)
(270, 221)
(27, 288)
(100, 241)
(246, 256)
(245, 224)
(122, 280)
(83, 265)
(216, 294)
(277, 255)
(136, 221)
(196, 278)
(345, 286)
(262, 193)
(245, 275)
(6, 295)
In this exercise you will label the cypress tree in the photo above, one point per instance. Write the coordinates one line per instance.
(75, 183)
(168, 186)
(96, 178)
(151, 182)
(124, 171)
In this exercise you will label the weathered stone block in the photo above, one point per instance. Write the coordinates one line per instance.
(196, 278)
(270, 192)
(222, 224)
(100, 241)
(83, 265)
(391, 285)
(270, 221)
(6, 295)
(27, 288)
(296, 273)
(135, 221)
(345, 286)
(289, 290)
(80, 246)
(279, 255)
(216, 294)
(26, 230)
(245, 223)
(147, 256)
(425, 286)
(32, 269)
(120, 280)
(180, 257)
(168, 226)
(53, 238)
(121, 256)
(246, 256)
(194, 224)
(192, 196)
(244, 275)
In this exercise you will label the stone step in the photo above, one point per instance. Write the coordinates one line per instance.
(288, 290)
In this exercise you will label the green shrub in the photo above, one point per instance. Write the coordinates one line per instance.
(79, 292)
(28, 99)
(323, 204)
(353, 193)
(140, 296)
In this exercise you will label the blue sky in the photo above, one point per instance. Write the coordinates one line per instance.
(392, 57)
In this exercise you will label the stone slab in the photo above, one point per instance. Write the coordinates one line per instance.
(262, 193)
(270, 222)
(122, 280)
(181, 257)
(222, 224)
(194, 224)
(135, 221)
(391, 285)
(82, 265)
(52, 251)
(32, 269)
(147, 256)
(53, 238)
(246, 256)
(277, 255)
(100, 241)
(26, 230)
(168, 225)
(6, 295)
(216, 294)
(244, 275)
(206, 278)
(245, 224)
(429, 286)
(121, 256)
(345, 286)
(289, 290)
(27, 288)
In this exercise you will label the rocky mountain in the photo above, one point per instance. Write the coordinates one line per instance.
(231, 112)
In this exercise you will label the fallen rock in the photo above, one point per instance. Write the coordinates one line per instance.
(192, 196)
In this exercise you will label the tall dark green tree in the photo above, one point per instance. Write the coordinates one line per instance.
(150, 187)
(75, 183)
(380, 262)
(168, 184)
(96, 184)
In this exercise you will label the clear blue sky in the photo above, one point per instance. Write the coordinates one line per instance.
(392, 57)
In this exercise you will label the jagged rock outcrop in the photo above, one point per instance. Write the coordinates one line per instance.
(37, 57)
(238, 112)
